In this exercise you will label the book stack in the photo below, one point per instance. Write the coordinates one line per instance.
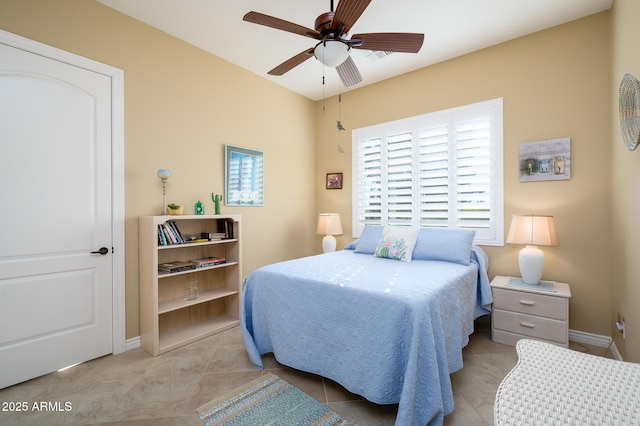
(173, 267)
(208, 261)
(169, 233)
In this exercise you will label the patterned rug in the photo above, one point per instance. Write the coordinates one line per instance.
(269, 400)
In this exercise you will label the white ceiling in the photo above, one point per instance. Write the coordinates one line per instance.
(451, 27)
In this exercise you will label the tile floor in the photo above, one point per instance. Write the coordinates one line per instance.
(135, 388)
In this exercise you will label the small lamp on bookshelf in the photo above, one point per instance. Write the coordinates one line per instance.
(164, 175)
(329, 225)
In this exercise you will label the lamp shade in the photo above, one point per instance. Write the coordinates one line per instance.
(331, 52)
(164, 173)
(329, 224)
(532, 230)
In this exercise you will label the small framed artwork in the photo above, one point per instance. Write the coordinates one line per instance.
(545, 160)
(244, 176)
(334, 180)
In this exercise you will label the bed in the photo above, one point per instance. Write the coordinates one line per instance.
(389, 330)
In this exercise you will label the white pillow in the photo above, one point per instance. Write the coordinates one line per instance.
(397, 243)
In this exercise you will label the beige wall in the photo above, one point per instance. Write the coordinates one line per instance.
(625, 171)
(555, 83)
(181, 106)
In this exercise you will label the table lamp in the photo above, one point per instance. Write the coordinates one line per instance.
(532, 230)
(329, 225)
(164, 175)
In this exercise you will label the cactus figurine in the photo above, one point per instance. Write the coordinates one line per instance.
(216, 200)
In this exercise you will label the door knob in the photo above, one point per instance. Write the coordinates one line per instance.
(103, 250)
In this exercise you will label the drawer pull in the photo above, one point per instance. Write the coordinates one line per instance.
(527, 302)
(527, 324)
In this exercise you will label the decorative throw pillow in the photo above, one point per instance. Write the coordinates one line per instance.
(397, 243)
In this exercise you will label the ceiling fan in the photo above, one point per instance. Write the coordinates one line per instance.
(331, 29)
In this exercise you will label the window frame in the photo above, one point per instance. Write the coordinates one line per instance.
(493, 235)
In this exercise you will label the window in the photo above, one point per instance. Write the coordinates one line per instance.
(442, 169)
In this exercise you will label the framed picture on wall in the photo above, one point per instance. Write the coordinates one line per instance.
(334, 180)
(545, 160)
(243, 176)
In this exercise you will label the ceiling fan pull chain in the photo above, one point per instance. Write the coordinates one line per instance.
(323, 91)
(339, 123)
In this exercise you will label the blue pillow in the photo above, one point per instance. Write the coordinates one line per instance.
(450, 245)
(369, 239)
(351, 246)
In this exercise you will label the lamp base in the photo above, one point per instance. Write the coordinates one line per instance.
(531, 260)
(328, 244)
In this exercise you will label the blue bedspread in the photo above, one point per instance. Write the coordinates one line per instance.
(390, 331)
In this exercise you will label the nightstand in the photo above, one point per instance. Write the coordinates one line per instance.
(525, 312)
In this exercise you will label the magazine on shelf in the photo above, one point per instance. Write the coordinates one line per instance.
(208, 261)
(172, 267)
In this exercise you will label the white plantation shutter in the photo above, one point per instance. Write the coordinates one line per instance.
(399, 179)
(369, 184)
(438, 170)
(473, 157)
(434, 176)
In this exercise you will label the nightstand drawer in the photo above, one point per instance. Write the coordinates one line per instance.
(530, 303)
(528, 325)
(508, 338)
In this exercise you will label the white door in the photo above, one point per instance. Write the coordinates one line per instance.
(55, 210)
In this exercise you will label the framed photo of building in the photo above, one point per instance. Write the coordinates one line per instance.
(545, 160)
(243, 176)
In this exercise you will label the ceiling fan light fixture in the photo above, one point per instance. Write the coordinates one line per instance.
(331, 52)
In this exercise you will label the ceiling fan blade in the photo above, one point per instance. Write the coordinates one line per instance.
(390, 42)
(348, 73)
(280, 24)
(292, 62)
(347, 13)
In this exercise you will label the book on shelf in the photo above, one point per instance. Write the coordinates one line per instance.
(225, 226)
(162, 239)
(176, 231)
(213, 236)
(169, 233)
(172, 235)
(171, 239)
(208, 261)
(172, 267)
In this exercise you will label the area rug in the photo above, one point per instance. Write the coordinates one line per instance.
(269, 400)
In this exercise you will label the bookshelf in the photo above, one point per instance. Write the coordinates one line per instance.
(167, 320)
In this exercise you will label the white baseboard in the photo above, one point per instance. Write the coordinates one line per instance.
(614, 351)
(589, 339)
(595, 340)
(132, 343)
(574, 335)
